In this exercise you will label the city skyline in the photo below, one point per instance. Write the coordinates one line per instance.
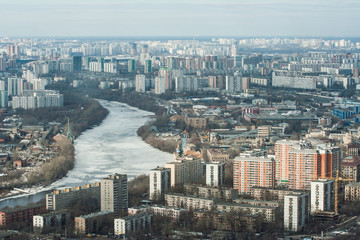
(180, 18)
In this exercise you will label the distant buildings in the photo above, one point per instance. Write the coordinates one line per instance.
(140, 85)
(38, 99)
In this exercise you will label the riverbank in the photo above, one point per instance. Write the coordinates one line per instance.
(84, 113)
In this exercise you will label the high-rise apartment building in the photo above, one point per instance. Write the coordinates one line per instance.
(322, 195)
(131, 65)
(140, 83)
(114, 193)
(215, 173)
(299, 162)
(77, 62)
(159, 85)
(253, 172)
(185, 170)
(159, 182)
(296, 211)
(147, 66)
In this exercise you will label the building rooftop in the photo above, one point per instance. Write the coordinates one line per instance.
(96, 214)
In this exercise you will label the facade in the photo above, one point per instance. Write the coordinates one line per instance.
(159, 182)
(185, 170)
(296, 211)
(290, 79)
(62, 199)
(267, 211)
(215, 174)
(128, 224)
(91, 223)
(277, 194)
(114, 193)
(189, 202)
(147, 67)
(322, 195)
(233, 84)
(140, 83)
(222, 193)
(253, 171)
(20, 214)
(352, 191)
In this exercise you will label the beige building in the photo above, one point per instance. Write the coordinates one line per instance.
(216, 155)
(185, 170)
(350, 168)
(277, 194)
(352, 191)
(189, 202)
(196, 122)
(267, 211)
(114, 193)
(62, 199)
(264, 131)
(222, 193)
(91, 223)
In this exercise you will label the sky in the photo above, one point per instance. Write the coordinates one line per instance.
(246, 18)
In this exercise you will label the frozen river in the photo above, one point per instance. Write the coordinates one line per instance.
(112, 147)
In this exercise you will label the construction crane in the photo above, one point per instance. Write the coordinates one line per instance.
(336, 189)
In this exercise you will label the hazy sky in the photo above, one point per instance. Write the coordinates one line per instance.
(337, 18)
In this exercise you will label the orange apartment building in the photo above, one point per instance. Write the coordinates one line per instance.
(299, 163)
(253, 172)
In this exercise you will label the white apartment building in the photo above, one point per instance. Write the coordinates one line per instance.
(322, 195)
(159, 182)
(215, 174)
(140, 85)
(160, 84)
(296, 211)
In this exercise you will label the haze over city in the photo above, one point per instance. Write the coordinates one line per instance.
(320, 18)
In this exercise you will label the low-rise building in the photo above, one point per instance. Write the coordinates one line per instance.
(173, 213)
(189, 202)
(350, 168)
(217, 155)
(268, 212)
(222, 193)
(277, 194)
(92, 222)
(352, 191)
(260, 203)
(50, 220)
(20, 214)
(128, 224)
